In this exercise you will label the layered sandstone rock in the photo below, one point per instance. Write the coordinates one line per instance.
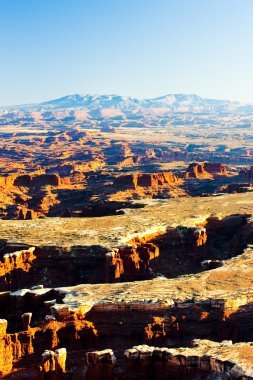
(187, 237)
(12, 264)
(92, 319)
(100, 364)
(197, 171)
(42, 343)
(121, 315)
(215, 168)
(53, 363)
(132, 181)
(32, 180)
(6, 356)
(205, 170)
(136, 259)
(135, 253)
(155, 185)
(205, 359)
(39, 180)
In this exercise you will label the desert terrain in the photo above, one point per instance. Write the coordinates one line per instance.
(126, 239)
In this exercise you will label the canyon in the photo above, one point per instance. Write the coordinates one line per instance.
(168, 297)
(126, 239)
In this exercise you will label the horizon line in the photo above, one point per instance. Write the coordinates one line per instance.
(124, 96)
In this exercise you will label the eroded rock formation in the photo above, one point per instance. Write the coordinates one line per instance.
(155, 185)
(205, 170)
(12, 265)
(247, 174)
(132, 181)
(80, 323)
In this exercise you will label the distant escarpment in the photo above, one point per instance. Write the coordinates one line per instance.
(151, 185)
(205, 170)
(247, 174)
(154, 180)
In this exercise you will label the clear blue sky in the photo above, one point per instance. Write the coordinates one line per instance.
(142, 48)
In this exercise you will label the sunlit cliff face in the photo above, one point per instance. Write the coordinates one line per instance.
(126, 240)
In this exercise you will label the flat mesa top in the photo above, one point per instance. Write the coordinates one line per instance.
(113, 231)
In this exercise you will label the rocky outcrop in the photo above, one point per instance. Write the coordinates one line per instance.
(39, 205)
(128, 161)
(136, 259)
(43, 200)
(17, 349)
(67, 169)
(177, 251)
(29, 196)
(6, 356)
(31, 346)
(215, 168)
(246, 174)
(190, 237)
(100, 364)
(33, 180)
(7, 181)
(56, 266)
(93, 301)
(204, 358)
(197, 171)
(40, 180)
(88, 166)
(205, 170)
(53, 363)
(132, 181)
(25, 214)
(12, 265)
(126, 181)
(146, 185)
(122, 315)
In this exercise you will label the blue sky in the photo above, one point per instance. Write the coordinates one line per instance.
(142, 48)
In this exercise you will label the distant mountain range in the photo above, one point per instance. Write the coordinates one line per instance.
(173, 102)
(100, 107)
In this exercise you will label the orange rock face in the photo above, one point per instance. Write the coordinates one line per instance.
(34, 180)
(156, 329)
(11, 262)
(40, 180)
(205, 170)
(18, 347)
(149, 185)
(6, 356)
(53, 363)
(133, 181)
(134, 261)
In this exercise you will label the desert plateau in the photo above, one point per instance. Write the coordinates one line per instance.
(126, 190)
(126, 239)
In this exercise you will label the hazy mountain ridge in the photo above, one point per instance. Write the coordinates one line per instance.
(79, 107)
(92, 102)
